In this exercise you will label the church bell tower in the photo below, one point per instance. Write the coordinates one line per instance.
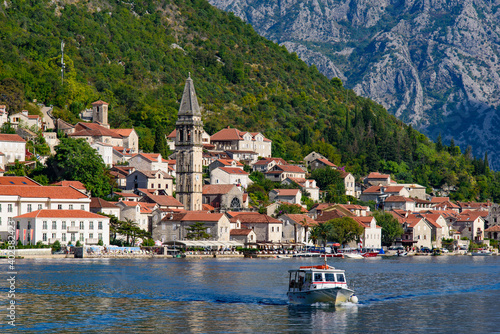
(189, 148)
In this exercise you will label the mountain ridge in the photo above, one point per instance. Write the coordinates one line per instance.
(432, 64)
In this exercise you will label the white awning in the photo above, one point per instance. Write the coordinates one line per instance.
(202, 243)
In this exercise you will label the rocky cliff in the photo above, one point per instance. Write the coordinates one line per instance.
(432, 63)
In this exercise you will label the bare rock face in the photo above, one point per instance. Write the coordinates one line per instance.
(432, 63)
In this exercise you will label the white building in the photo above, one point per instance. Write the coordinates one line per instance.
(105, 151)
(229, 175)
(63, 225)
(23, 119)
(234, 139)
(292, 196)
(17, 200)
(305, 185)
(372, 235)
(13, 147)
(149, 161)
(156, 181)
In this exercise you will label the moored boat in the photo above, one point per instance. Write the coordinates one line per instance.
(319, 284)
(482, 252)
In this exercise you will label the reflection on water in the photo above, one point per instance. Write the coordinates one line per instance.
(320, 317)
(249, 296)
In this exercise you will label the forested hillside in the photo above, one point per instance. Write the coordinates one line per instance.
(136, 55)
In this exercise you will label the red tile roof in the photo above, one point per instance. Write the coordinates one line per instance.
(246, 218)
(172, 134)
(18, 181)
(216, 189)
(329, 215)
(123, 132)
(440, 199)
(96, 202)
(241, 231)
(75, 184)
(228, 162)
(398, 199)
(495, 228)
(233, 170)
(288, 168)
(94, 129)
(300, 218)
(41, 192)
(99, 102)
(286, 192)
(327, 163)
(61, 214)
(163, 200)
(377, 175)
(388, 189)
(9, 137)
(208, 207)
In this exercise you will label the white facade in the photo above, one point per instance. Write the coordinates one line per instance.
(372, 236)
(149, 161)
(18, 200)
(63, 225)
(105, 151)
(230, 176)
(14, 148)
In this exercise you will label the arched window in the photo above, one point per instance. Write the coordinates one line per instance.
(235, 203)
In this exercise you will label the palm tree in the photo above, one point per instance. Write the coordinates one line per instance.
(321, 232)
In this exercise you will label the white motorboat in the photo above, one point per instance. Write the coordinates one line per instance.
(319, 284)
(353, 255)
(482, 252)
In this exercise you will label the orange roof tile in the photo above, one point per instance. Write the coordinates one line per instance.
(233, 170)
(41, 192)
(61, 214)
(10, 137)
(18, 181)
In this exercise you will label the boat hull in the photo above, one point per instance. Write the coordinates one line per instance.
(353, 256)
(335, 296)
(482, 254)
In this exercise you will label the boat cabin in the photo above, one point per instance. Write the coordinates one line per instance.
(315, 277)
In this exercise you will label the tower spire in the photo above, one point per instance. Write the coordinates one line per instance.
(189, 102)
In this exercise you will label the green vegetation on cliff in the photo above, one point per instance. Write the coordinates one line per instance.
(136, 56)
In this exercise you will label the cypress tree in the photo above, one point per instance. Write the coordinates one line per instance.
(439, 143)
(160, 142)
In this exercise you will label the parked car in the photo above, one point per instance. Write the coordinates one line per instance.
(425, 250)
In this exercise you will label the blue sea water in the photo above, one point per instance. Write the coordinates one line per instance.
(446, 294)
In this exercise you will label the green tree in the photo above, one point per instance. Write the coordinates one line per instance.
(56, 246)
(321, 233)
(76, 160)
(161, 142)
(327, 176)
(345, 230)
(286, 208)
(197, 231)
(391, 228)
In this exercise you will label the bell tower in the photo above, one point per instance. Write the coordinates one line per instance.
(189, 148)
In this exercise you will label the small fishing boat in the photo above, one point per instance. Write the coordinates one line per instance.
(319, 284)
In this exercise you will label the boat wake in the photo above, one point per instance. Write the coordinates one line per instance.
(474, 289)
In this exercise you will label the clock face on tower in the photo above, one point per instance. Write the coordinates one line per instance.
(197, 177)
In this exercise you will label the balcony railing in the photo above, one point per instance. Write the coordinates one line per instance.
(91, 241)
(73, 229)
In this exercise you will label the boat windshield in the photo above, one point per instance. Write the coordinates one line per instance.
(329, 277)
(340, 278)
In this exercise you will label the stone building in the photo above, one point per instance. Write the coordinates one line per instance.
(189, 147)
